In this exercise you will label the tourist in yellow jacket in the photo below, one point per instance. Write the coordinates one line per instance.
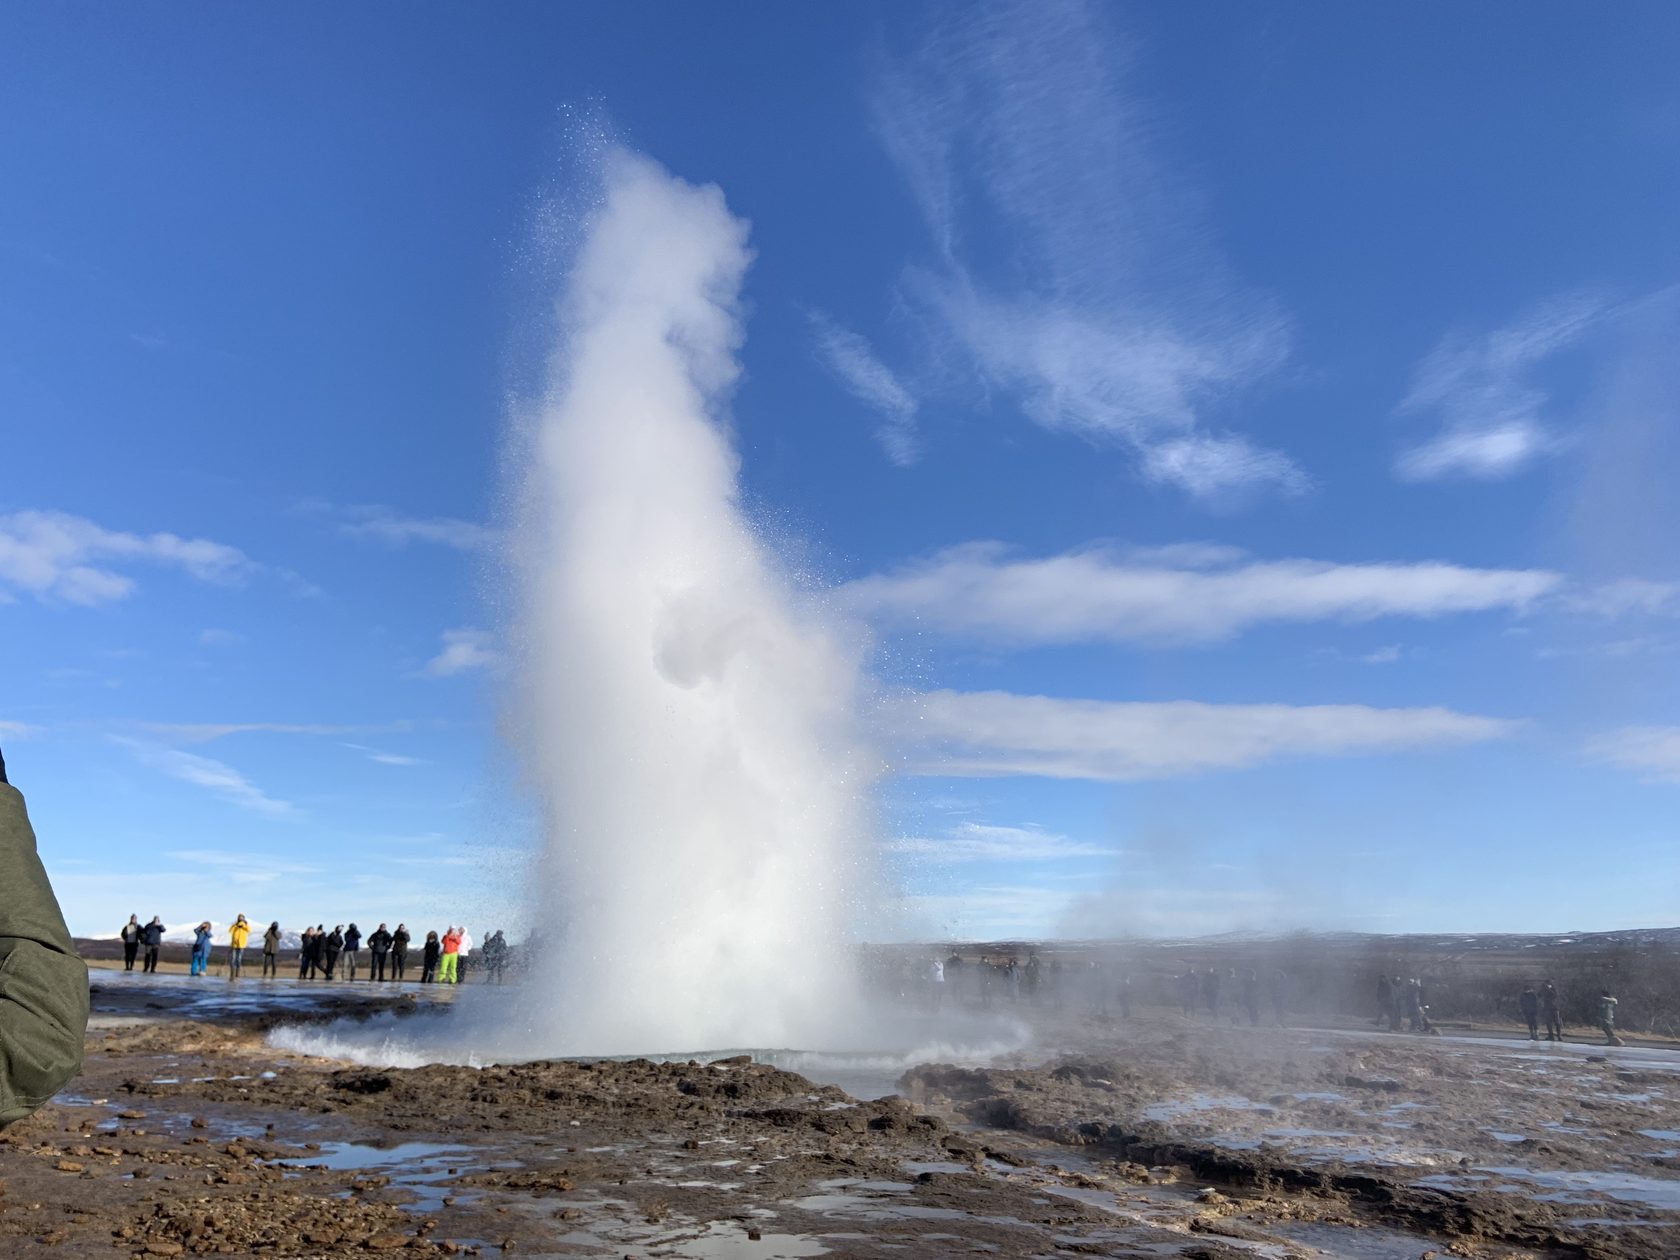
(238, 935)
(43, 985)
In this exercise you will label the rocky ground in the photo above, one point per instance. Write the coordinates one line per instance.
(188, 1134)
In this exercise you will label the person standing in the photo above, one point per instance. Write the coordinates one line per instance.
(271, 951)
(463, 947)
(334, 947)
(1189, 988)
(429, 959)
(306, 952)
(1607, 1018)
(201, 949)
(1251, 996)
(379, 944)
(1550, 1011)
(1529, 1004)
(131, 941)
(399, 951)
(202, 938)
(44, 1014)
(151, 936)
(352, 948)
(238, 936)
(1210, 992)
(449, 961)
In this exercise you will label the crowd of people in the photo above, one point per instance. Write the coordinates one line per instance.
(1103, 988)
(324, 955)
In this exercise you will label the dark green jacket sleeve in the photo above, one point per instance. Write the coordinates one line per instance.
(43, 984)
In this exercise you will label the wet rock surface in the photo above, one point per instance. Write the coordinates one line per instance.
(189, 1137)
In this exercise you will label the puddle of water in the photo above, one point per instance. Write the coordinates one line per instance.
(1505, 1137)
(727, 1240)
(1348, 1243)
(1196, 1104)
(357, 1157)
(1625, 1187)
(1661, 1135)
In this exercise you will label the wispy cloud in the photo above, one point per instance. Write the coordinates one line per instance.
(18, 730)
(871, 381)
(205, 732)
(464, 650)
(216, 777)
(57, 556)
(374, 522)
(984, 842)
(1622, 596)
(386, 758)
(980, 591)
(1109, 315)
(1481, 390)
(993, 733)
(214, 637)
(1654, 751)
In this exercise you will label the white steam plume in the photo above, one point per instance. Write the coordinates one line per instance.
(690, 725)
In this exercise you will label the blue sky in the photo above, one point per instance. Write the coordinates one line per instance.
(1246, 433)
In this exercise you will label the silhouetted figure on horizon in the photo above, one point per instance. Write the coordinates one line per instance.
(1210, 992)
(352, 950)
(333, 948)
(271, 951)
(1529, 1004)
(1607, 1018)
(1189, 991)
(1550, 1011)
(379, 944)
(1251, 996)
(151, 936)
(429, 959)
(399, 951)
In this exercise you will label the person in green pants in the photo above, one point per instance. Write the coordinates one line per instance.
(43, 984)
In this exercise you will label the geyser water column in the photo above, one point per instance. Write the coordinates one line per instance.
(688, 720)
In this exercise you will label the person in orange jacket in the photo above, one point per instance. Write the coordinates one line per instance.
(449, 964)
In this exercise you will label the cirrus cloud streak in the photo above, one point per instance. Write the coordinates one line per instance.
(995, 734)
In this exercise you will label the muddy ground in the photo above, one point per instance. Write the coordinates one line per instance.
(188, 1134)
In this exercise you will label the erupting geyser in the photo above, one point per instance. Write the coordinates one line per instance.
(688, 720)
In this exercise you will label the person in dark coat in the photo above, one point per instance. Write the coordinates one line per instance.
(1210, 992)
(271, 951)
(352, 949)
(1251, 996)
(1189, 989)
(399, 951)
(306, 953)
(1551, 1012)
(379, 944)
(333, 948)
(1529, 1004)
(429, 959)
(151, 938)
(44, 998)
(131, 941)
